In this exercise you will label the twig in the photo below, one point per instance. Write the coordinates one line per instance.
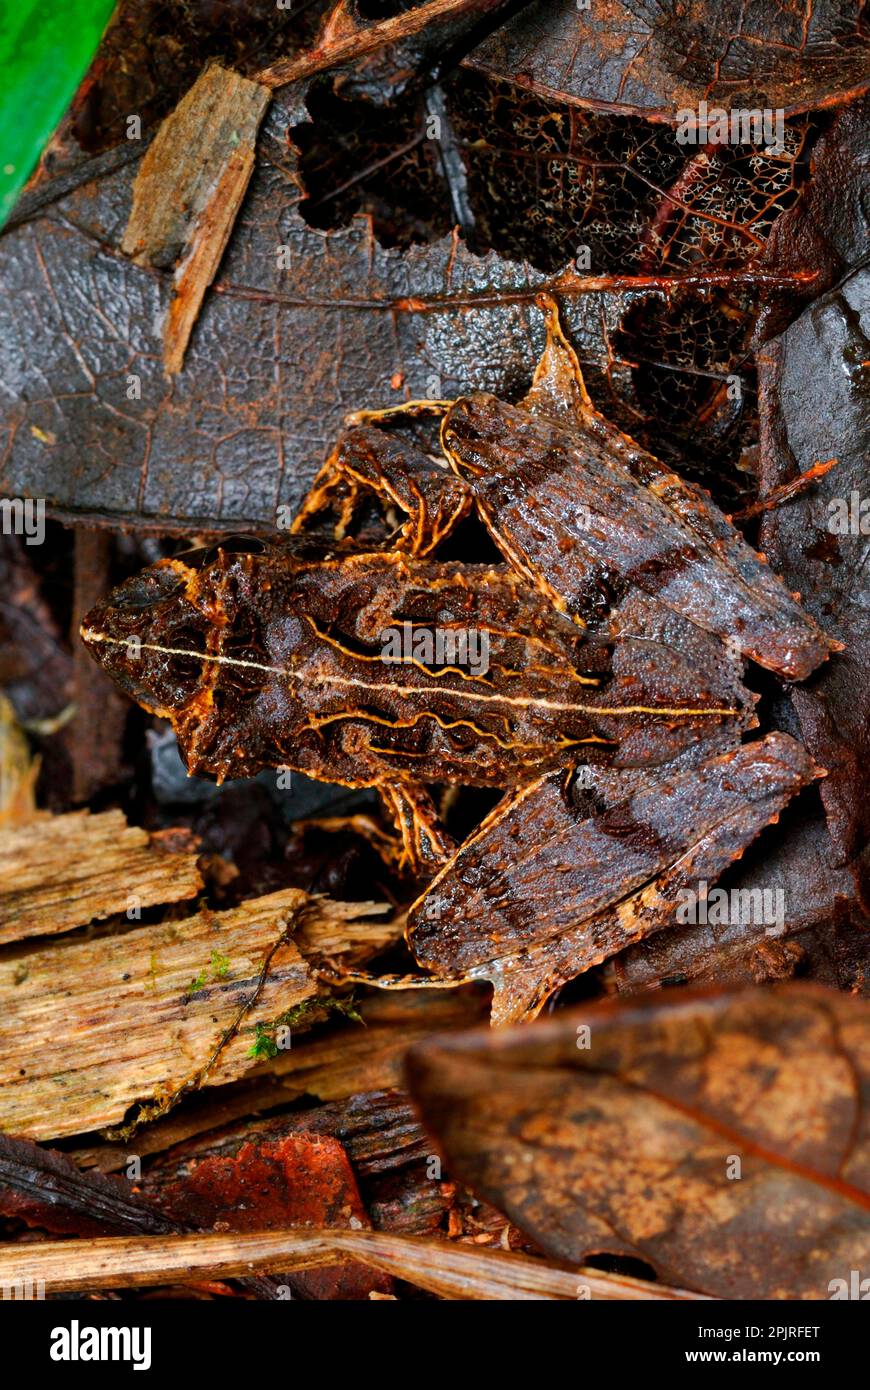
(785, 491)
(361, 42)
(451, 1271)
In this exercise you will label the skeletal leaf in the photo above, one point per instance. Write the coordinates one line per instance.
(657, 56)
(722, 1138)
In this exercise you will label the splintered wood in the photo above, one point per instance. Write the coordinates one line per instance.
(91, 1027)
(189, 189)
(60, 872)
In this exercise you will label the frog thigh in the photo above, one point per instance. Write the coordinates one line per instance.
(545, 890)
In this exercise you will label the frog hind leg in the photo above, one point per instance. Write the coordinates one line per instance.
(548, 889)
(566, 493)
(408, 483)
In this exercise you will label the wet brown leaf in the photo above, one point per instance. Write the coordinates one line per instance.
(655, 56)
(815, 382)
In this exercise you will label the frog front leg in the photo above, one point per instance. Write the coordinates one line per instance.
(552, 885)
(416, 842)
(425, 497)
(424, 844)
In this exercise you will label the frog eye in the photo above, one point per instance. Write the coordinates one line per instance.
(142, 591)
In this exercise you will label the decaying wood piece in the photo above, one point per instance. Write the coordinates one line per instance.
(332, 1064)
(188, 190)
(444, 1269)
(91, 1027)
(18, 772)
(60, 872)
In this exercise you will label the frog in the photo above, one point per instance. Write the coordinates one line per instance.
(610, 710)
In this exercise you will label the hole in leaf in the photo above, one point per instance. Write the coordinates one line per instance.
(627, 1265)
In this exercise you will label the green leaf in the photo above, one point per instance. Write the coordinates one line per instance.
(45, 49)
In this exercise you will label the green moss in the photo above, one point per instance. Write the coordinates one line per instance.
(219, 965)
(217, 969)
(264, 1045)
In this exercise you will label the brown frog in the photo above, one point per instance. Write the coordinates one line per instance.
(610, 639)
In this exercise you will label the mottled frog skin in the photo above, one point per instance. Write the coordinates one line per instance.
(616, 628)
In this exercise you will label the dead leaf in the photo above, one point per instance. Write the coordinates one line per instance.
(722, 1138)
(815, 392)
(656, 56)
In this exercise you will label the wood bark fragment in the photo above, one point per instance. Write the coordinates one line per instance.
(444, 1269)
(96, 732)
(44, 1189)
(189, 189)
(60, 872)
(332, 1064)
(92, 1027)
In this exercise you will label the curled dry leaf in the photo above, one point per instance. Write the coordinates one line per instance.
(723, 1138)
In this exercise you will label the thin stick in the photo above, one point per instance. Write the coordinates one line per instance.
(451, 1271)
(364, 41)
(785, 491)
